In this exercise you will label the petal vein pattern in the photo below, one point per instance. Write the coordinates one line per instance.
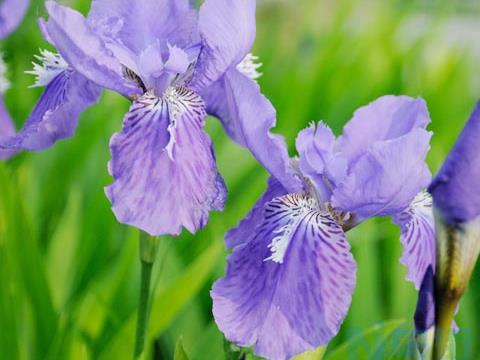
(163, 165)
(417, 237)
(287, 308)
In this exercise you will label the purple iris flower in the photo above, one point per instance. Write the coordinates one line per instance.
(290, 278)
(455, 188)
(456, 200)
(11, 14)
(176, 66)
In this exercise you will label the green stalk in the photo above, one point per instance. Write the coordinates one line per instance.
(148, 253)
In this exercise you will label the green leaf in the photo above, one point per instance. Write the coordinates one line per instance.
(61, 253)
(366, 343)
(180, 353)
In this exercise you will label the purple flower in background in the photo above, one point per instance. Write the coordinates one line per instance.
(456, 199)
(11, 14)
(290, 278)
(455, 188)
(176, 66)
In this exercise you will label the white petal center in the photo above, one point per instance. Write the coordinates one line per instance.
(49, 66)
(248, 66)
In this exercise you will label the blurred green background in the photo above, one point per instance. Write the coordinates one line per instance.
(69, 274)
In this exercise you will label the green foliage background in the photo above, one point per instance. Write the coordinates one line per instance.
(69, 274)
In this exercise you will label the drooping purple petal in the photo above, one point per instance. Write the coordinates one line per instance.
(163, 165)
(227, 29)
(418, 237)
(141, 23)
(85, 51)
(318, 160)
(288, 289)
(248, 117)
(11, 15)
(55, 116)
(386, 118)
(385, 180)
(455, 188)
(245, 230)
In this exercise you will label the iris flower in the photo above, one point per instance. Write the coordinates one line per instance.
(456, 199)
(290, 278)
(175, 66)
(11, 14)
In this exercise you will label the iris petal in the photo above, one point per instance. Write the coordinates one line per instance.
(386, 118)
(248, 117)
(227, 29)
(455, 187)
(319, 161)
(141, 23)
(163, 165)
(56, 114)
(295, 301)
(245, 230)
(11, 14)
(385, 179)
(418, 237)
(85, 51)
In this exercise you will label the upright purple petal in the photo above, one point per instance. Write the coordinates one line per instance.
(385, 180)
(163, 166)
(318, 159)
(141, 23)
(455, 188)
(11, 15)
(85, 51)
(248, 117)
(386, 118)
(56, 114)
(288, 289)
(418, 237)
(227, 29)
(245, 230)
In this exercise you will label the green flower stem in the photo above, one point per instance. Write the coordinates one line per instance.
(148, 253)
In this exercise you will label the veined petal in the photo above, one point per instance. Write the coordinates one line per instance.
(248, 117)
(385, 180)
(288, 289)
(163, 165)
(245, 230)
(227, 29)
(388, 117)
(56, 114)
(418, 237)
(140, 23)
(11, 15)
(85, 51)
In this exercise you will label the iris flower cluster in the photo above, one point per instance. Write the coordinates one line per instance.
(291, 275)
